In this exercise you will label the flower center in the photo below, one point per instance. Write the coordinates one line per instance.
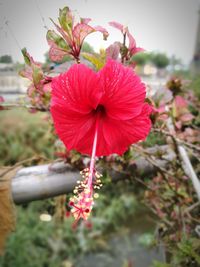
(100, 109)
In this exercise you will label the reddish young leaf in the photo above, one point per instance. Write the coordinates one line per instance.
(80, 31)
(132, 45)
(112, 52)
(188, 117)
(85, 20)
(72, 34)
(102, 30)
(117, 25)
(180, 102)
(132, 48)
(39, 89)
(56, 54)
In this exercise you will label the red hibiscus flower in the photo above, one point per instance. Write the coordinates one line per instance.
(113, 98)
(98, 114)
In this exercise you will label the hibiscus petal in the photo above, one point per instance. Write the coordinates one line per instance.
(78, 92)
(76, 130)
(124, 93)
(75, 94)
(118, 135)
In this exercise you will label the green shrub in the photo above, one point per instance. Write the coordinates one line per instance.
(24, 135)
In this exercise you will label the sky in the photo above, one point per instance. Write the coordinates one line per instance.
(168, 26)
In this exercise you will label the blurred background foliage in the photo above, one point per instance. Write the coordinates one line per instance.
(24, 135)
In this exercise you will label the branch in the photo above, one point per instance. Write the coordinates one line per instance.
(186, 164)
(192, 146)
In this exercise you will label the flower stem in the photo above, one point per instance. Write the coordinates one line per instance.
(92, 162)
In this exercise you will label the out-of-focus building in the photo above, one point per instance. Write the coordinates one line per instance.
(195, 65)
(10, 81)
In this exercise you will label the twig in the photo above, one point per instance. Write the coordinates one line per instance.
(189, 170)
(177, 139)
(165, 174)
(16, 105)
(163, 219)
(148, 157)
(193, 206)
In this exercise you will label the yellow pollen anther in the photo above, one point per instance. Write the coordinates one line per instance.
(87, 191)
(96, 195)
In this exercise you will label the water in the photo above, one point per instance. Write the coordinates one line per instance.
(124, 249)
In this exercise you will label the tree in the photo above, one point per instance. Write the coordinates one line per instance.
(160, 60)
(87, 48)
(141, 58)
(6, 59)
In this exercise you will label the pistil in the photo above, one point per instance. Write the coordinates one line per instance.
(83, 201)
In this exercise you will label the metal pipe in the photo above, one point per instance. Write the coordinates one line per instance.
(40, 182)
(45, 181)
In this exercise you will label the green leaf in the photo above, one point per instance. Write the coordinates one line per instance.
(26, 56)
(65, 18)
(97, 60)
(37, 75)
(57, 39)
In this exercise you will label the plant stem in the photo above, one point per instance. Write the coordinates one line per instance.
(123, 48)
